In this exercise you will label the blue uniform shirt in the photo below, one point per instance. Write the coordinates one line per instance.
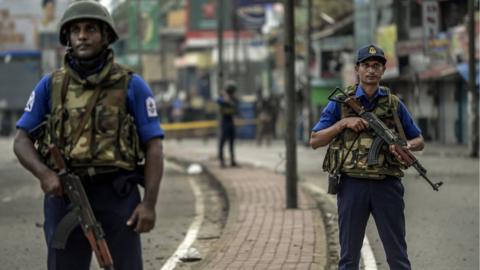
(331, 114)
(230, 107)
(140, 104)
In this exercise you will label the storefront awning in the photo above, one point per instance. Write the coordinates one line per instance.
(438, 72)
(194, 59)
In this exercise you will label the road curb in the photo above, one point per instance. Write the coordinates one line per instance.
(330, 222)
(216, 184)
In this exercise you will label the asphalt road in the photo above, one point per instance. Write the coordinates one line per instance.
(21, 232)
(442, 227)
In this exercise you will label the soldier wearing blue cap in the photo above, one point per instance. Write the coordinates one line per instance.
(371, 52)
(364, 188)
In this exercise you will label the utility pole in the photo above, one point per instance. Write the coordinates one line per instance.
(220, 45)
(473, 92)
(138, 13)
(308, 88)
(236, 31)
(290, 138)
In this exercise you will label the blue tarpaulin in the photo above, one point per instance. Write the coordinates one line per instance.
(15, 54)
(463, 70)
(242, 3)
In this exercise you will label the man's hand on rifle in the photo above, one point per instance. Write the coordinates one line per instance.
(50, 183)
(143, 218)
(357, 124)
(415, 144)
(395, 152)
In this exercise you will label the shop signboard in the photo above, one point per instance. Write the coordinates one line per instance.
(386, 39)
(430, 19)
(147, 31)
(202, 15)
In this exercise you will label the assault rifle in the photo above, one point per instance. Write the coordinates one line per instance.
(80, 214)
(384, 135)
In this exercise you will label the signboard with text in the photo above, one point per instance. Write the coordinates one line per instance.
(430, 18)
(144, 27)
(386, 39)
(202, 15)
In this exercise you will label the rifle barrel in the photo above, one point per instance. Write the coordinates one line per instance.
(423, 174)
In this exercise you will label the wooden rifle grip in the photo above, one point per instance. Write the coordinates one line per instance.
(407, 157)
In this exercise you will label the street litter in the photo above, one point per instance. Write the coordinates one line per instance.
(189, 255)
(194, 169)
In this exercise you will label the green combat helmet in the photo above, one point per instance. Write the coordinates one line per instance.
(86, 9)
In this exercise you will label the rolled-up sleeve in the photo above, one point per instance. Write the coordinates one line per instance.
(37, 107)
(330, 115)
(409, 126)
(141, 105)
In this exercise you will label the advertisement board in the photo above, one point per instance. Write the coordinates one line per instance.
(387, 39)
(202, 15)
(29, 25)
(144, 28)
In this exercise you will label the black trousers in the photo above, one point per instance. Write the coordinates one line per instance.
(227, 134)
(357, 199)
(112, 210)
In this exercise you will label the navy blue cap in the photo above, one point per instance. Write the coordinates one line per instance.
(371, 51)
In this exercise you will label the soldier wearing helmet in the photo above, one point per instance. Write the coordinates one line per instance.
(103, 118)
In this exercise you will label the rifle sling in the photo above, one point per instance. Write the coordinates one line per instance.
(401, 131)
(399, 125)
(88, 112)
(63, 94)
(339, 167)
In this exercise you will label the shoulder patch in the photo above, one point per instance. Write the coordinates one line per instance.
(30, 102)
(151, 107)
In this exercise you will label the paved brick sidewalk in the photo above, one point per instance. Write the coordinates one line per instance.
(260, 232)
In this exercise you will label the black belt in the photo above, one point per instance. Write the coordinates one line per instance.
(96, 174)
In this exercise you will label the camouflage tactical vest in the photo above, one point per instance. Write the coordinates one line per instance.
(355, 164)
(109, 137)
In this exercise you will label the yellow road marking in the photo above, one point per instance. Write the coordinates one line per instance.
(203, 124)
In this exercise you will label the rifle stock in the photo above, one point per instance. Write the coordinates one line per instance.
(81, 214)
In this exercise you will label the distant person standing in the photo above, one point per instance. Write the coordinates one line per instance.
(178, 108)
(264, 119)
(48, 23)
(228, 104)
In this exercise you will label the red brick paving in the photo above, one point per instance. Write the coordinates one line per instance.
(261, 233)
